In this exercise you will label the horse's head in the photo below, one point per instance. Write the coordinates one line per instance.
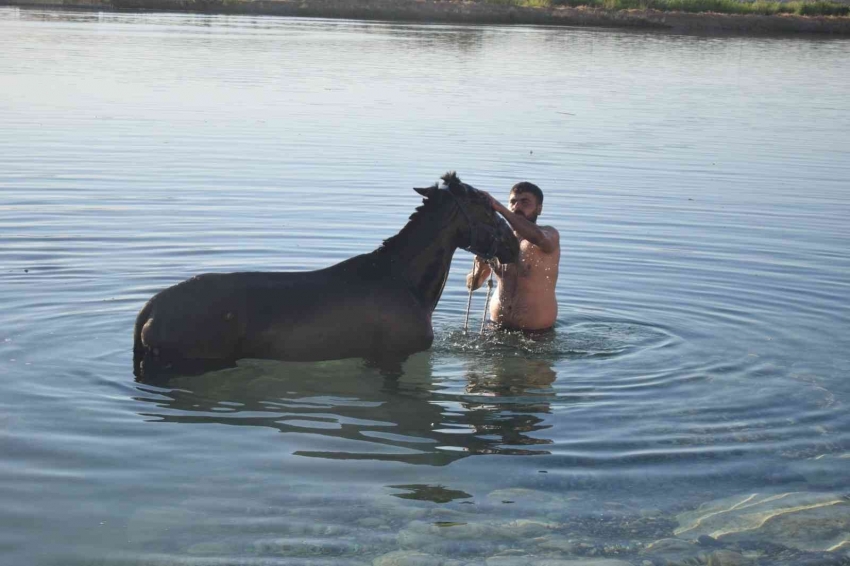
(484, 233)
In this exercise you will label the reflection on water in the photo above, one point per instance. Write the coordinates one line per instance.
(508, 391)
(574, 341)
(403, 419)
(375, 417)
(435, 493)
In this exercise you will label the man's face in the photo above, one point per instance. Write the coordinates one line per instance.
(525, 205)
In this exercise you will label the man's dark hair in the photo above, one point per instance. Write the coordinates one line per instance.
(526, 187)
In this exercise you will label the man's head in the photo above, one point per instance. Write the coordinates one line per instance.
(526, 200)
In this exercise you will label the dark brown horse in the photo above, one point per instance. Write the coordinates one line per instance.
(375, 306)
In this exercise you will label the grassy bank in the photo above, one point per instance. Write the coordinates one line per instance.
(756, 7)
(713, 17)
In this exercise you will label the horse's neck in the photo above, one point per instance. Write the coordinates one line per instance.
(427, 270)
(425, 258)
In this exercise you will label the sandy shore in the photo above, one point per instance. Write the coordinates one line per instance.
(454, 11)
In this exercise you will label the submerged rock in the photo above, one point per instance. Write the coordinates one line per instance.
(674, 551)
(305, 547)
(523, 529)
(805, 521)
(408, 558)
(669, 545)
(728, 558)
(827, 471)
(508, 561)
(371, 523)
(582, 562)
(528, 497)
(709, 542)
(447, 538)
(562, 544)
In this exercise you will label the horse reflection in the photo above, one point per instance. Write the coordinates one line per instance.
(405, 419)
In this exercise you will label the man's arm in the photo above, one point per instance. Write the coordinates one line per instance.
(547, 239)
(481, 269)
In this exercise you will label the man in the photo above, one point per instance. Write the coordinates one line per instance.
(526, 296)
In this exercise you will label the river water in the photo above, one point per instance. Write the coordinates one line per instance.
(701, 358)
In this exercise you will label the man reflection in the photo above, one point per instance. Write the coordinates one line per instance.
(512, 394)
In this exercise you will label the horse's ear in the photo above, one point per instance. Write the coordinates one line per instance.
(427, 192)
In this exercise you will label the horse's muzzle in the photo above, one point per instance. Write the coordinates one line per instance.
(496, 241)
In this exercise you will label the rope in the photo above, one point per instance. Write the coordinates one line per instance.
(469, 300)
(487, 302)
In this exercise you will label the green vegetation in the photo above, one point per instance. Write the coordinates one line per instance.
(762, 7)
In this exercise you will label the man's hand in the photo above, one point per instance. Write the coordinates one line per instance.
(547, 240)
(497, 206)
(480, 270)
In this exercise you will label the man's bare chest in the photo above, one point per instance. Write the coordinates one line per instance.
(531, 260)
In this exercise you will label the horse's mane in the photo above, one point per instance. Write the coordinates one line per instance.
(413, 223)
(450, 180)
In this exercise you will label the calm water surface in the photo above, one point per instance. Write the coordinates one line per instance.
(700, 186)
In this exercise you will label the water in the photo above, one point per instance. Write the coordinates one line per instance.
(700, 189)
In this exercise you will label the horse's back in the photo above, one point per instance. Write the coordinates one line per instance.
(337, 312)
(338, 321)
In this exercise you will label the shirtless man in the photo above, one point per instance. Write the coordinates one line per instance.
(526, 296)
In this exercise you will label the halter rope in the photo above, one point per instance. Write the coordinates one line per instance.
(487, 302)
(488, 255)
(469, 300)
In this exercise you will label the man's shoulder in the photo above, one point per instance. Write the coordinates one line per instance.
(551, 231)
(553, 240)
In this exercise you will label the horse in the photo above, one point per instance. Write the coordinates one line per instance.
(376, 306)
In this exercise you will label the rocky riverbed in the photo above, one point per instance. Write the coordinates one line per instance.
(516, 527)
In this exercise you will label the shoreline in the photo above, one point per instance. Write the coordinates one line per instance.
(460, 12)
